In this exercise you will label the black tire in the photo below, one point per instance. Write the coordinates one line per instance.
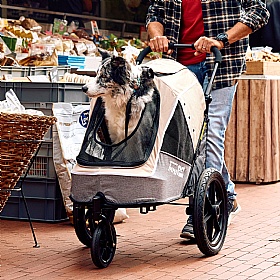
(103, 247)
(83, 223)
(210, 212)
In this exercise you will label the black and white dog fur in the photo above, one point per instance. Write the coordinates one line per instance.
(119, 83)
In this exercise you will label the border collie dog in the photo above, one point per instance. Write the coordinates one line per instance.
(125, 89)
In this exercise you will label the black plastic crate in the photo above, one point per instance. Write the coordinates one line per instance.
(24, 71)
(45, 70)
(38, 188)
(44, 201)
(43, 166)
(14, 71)
(44, 91)
(72, 92)
(31, 91)
(44, 210)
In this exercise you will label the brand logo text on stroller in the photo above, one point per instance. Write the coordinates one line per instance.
(176, 169)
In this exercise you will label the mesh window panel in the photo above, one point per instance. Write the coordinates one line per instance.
(177, 139)
(134, 150)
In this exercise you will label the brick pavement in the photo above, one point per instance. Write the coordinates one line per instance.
(149, 246)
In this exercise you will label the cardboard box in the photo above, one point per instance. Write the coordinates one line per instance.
(262, 68)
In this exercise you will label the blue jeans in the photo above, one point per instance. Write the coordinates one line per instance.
(219, 114)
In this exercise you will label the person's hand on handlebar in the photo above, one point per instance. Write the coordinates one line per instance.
(204, 44)
(160, 44)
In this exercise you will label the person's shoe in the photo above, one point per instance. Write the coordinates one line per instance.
(233, 209)
(187, 231)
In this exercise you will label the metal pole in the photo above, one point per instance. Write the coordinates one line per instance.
(24, 199)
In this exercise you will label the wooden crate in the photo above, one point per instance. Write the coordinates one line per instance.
(262, 68)
(252, 150)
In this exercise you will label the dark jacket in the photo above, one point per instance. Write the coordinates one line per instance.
(271, 32)
(269, 35)
(67, 6)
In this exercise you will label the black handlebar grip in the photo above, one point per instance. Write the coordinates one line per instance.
(142, 55)
(217, 54)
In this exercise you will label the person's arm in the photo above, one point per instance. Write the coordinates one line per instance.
(237, 32)
(158, 42)
(255, 16)
(155, 27)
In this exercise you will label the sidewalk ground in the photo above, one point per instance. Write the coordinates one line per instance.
(149, 246)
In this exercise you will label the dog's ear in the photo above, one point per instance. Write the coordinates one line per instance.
(147, 72)
(104, 53)
(151, 73)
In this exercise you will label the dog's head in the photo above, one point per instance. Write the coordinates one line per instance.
(116, 75)
(113, 76)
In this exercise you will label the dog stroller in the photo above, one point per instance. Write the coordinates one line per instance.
(163, 160)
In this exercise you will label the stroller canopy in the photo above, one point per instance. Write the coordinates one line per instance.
(171, 124)
(174, 121)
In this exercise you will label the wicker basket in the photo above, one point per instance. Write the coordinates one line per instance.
(20, 137)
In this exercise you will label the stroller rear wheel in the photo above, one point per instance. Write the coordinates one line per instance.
(210, 212)
(103, 244)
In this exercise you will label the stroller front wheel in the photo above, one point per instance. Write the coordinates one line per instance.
(103, 245)
(210, 212)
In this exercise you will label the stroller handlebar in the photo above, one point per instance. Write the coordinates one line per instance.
(143, 53)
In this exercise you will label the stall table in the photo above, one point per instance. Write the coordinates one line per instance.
(252, 149)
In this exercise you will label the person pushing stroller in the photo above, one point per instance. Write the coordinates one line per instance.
(191, 21)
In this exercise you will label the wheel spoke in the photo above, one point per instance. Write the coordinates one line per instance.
(208, 218)
(209, 228)
(208, 204)
(89, 221)
(105, 249)
(217, 225)
(212, 212)
(105, 254)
